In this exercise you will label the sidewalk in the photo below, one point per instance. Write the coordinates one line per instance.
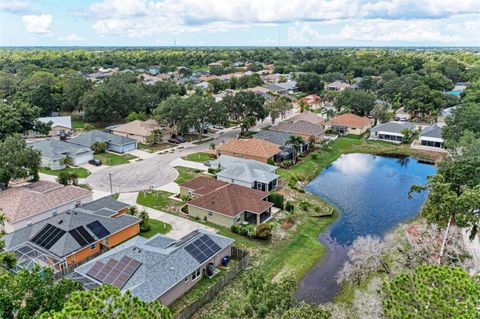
(180, 226)
(189, 164)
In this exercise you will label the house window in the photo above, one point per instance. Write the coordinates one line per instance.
(239, 219)
(94, 246)
(210, 214)
(196, 274)
(186, 279)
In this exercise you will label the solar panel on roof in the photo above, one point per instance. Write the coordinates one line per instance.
(115, 272)
(81, 235)
(202, 248)
(98, 229)
(48, 236)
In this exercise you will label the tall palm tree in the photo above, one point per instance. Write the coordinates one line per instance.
(295, 141)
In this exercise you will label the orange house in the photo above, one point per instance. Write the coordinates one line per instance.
(72, 237)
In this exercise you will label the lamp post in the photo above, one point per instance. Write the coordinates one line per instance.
(110, 178)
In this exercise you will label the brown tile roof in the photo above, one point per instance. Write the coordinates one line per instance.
(310, 99)
(351, 120)
(24, 201)
(137, 127)
(307, 116)
(299, 127)
(232, 199)
(254, 147)
(203, 185)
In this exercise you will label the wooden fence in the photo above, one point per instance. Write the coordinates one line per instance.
(189, 310)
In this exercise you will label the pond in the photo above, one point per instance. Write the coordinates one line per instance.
(371, 194)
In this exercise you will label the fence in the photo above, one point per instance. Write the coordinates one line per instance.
(189, 310)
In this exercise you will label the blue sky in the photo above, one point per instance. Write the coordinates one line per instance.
(240, 22)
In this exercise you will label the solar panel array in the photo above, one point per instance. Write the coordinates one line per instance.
(114, 272)
(81, 236)
(48, 236)
(202, 248)
(98, 229)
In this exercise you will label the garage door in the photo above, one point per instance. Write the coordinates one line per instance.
(129, 147)
(82, 158)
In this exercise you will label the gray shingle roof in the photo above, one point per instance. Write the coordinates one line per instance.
(276, 137)
(244, 169)
(105, 206)
(393, 127)
(66, 221)
(55, 149)
(89, 138)
(163, 265)
(299, 127)
(432, 131)
(65, 121)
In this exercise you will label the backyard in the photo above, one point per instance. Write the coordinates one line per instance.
(111, 159)
(80, 171)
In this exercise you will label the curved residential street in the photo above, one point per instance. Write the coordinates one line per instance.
(156, 170)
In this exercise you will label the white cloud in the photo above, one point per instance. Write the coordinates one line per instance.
(16, 7)
(362, 20)
(38, 23)
(72, 37)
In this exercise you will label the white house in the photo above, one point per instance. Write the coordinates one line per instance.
(430, 139)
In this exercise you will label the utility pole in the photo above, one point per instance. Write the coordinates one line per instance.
(110, 178)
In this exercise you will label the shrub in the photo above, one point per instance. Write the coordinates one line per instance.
(289, 207)
(292, 182)
(99, 147)
(270, 161)
(304, 205)
(317, 209)
(263, 231)
(244, 230)
(315, 156)
(63, 178)
(88, 127)
(276, 199)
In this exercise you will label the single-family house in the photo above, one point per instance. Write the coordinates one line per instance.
(137, 130)
(283, 87)
(337, 86)
(227, 204)
(255, 149)
(29, 203)
(391, 131)
(430, 139)
(61, 126)
(349, 123)
(304, 129)
(54, 153)
(67, 239)
(312, 100)
(282, 139)
(202, 85)
(245, 172)
(115, 143)
(154, 69)
(308, 116)
(159, 268)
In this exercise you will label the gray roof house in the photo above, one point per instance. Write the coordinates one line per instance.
(284, 87)
(245, 172)
(53, 153)
(430, 139)
(116, 143)
(69, 238)
(391, 131)
(158, 268)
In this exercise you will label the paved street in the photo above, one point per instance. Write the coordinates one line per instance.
(155, 171)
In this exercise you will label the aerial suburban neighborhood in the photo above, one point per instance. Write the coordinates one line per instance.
(173, 162)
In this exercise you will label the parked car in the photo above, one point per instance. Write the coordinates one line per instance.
(181, 139)
(95, 162)
(174, 141)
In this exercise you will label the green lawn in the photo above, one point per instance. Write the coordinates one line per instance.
(81, 172)
(198, 157)
(186, 174)
(158, 200)
(111, 159)
(78, 123)
(156, 227)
